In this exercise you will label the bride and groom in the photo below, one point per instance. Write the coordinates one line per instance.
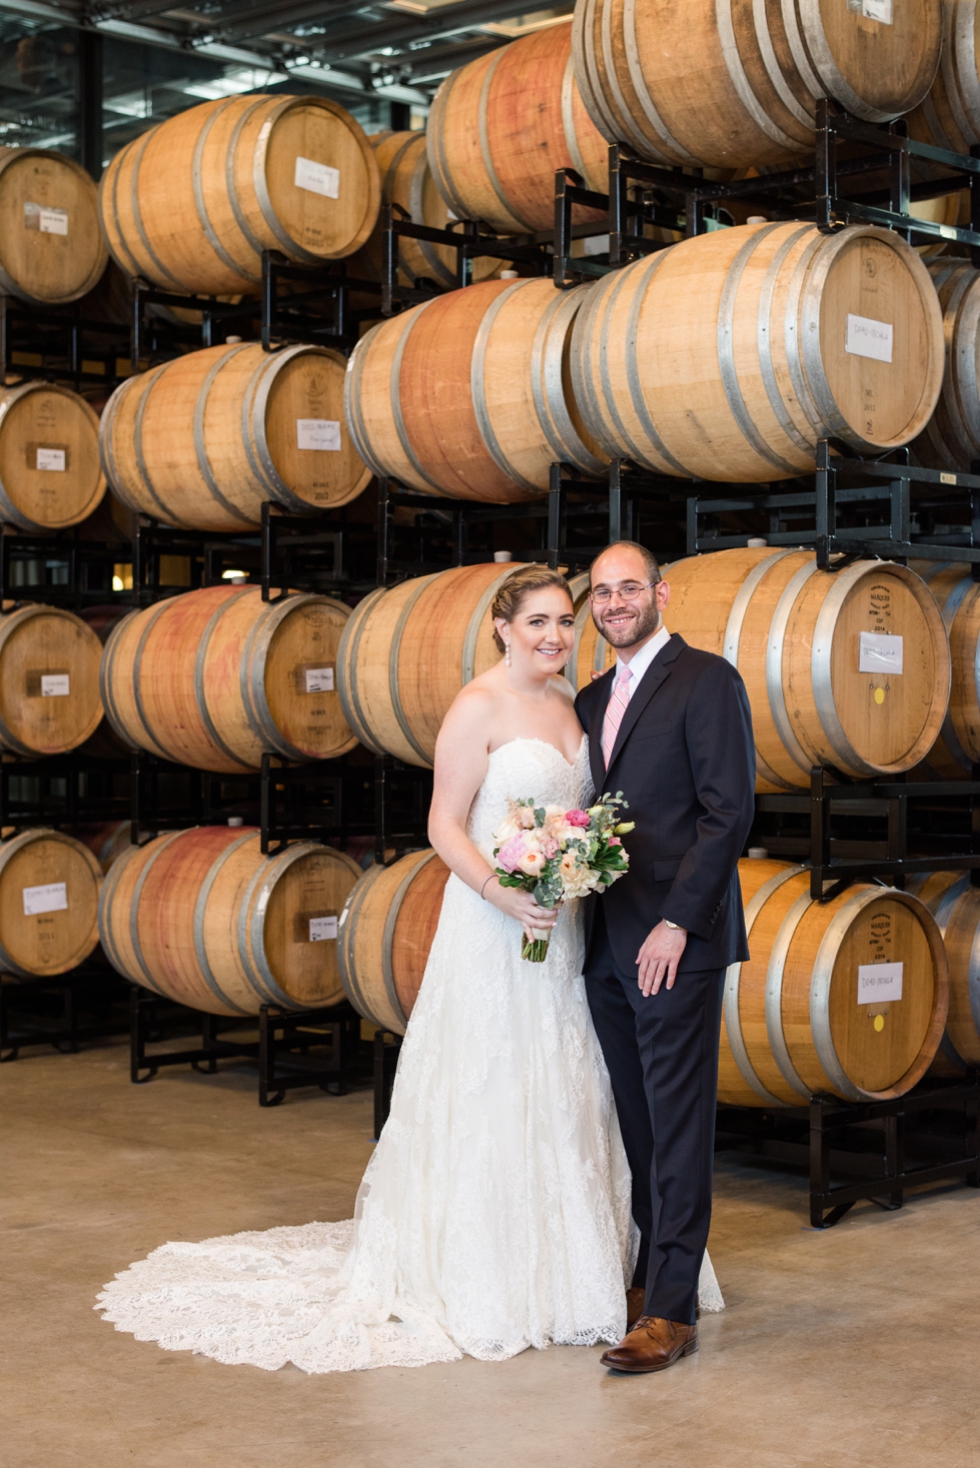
(545, 1172)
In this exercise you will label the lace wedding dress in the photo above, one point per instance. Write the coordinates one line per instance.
(495, 1212)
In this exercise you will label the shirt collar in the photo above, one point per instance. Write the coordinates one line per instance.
(641, 661)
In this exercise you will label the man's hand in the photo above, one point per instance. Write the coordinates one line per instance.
(658, 958)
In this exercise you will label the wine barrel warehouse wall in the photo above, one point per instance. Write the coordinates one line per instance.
(300, 384)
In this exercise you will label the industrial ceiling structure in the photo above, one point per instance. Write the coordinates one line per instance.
(382, 60)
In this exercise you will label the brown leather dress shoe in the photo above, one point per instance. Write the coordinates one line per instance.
(652, 1345)
(634, 1305)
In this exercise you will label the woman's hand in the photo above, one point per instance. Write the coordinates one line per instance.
(517, 903)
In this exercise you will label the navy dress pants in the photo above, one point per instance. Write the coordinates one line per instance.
(662, 1056)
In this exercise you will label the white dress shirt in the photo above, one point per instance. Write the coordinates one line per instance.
(640, 661)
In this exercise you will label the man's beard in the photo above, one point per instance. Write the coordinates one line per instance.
(647, 621)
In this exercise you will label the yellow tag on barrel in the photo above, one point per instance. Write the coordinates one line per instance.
(879, 695)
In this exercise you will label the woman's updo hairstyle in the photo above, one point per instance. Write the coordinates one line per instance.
(517, 588)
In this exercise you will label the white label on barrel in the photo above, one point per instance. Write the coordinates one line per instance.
(318, 433)
(55, 685)
(322, 928)
(869, 338)
(317, 178)
(52, 897)
(51, 459)
(879, 982)
(48, 221)
(319, 680)
(880, 653)
(877, 10)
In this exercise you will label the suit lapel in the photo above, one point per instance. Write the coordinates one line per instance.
(655, 675)
(602, 689)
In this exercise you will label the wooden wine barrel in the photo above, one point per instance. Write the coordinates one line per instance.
(49, 681)
(824, 684)
(205, 439)
(192, 203)
(49, 897)
(951, 438)
(386, 931)
(729, 355)
(51, 247)
(949, 116)
(949, 210)
(216, 677)
(204, 918)
(801, 1018)
(468, 396)
(107, 840)
(736, 85)
(499, 128)
(958, 595)
(406, 180)
(955, 905)
(50, 475)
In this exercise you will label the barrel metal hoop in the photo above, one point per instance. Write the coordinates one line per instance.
(396, 401)
(394, 658)
(764, 343)
(823, 969)
(416, 209)
(259, 388)
(964, 308)
(352, 401)
(267, 486)
(739, 79)
(388, 937)
(583, 58)
(134, 908)
(733, 1018)
(254, 662)
(774, 995)
(774, 666)
(200, 907)
(155, 744)
(253, 242)
(664, 136)
(726, 347)
(104, 918)
(648, 270)
(435, 145)
(347, 653)
(242, 934)
(794, 329)
(138, 218)
(568, 118)
(485, 149)
(475, 623)
(736, 617)
(547, 388)
(347, 939)
(951, 606)
(292, 247)
(478, 390)
(959, 70)
(149, 383)
(105, 679)
(832, 79)
(583, 379)
(200, 694)
(201, 205)
(200, 445)
(253, 911)
(774, 71)
(126, 260)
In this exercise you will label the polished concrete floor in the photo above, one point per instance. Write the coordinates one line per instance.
(853, 1347)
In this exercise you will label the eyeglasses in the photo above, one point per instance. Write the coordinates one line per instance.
(604, 594)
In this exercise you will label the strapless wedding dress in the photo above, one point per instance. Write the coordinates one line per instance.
(495, 1212)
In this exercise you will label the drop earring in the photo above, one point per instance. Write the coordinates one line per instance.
(507, 654)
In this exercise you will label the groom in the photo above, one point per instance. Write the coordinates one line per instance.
(670, 727)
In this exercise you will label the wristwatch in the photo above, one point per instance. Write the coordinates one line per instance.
(676, 926)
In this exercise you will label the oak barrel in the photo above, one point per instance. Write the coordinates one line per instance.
(958, 595)
(50, 475)
(951, 438)
(49, 681)
(386, 932)
(206, 439)
(955, 905)
(51, 247)
(949, 116)
(468, 395)
(192, 203)
(848, 996)
(729, 355)
(849, 670)
(216, 677)
(736, 85)
(204, 918)
(406, 180)
(501, 125)
(49, 897)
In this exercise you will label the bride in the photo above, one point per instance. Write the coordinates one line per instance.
(495, 1212)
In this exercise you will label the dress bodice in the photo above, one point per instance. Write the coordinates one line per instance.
(521, 769)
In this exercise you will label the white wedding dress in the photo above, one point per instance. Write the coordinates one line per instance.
(495, 1212)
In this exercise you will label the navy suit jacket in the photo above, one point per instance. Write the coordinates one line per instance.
(684, 758)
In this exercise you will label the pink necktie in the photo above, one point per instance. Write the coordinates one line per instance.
(618, 704)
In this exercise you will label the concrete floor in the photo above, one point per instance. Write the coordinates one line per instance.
(855, 1347)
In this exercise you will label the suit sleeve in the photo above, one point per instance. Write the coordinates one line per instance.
(582, 707)
(721, 750)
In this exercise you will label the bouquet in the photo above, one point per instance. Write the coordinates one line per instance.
(554, 853)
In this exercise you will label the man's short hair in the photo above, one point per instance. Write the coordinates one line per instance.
(650, 562)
